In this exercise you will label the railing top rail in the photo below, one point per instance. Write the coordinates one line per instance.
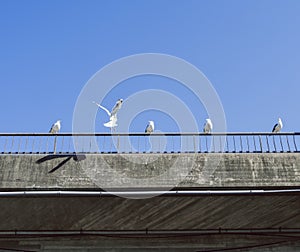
(157, 134)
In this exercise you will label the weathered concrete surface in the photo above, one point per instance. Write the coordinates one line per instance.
(202, 243)
(276, 213)
(158, 213)
(149, 170)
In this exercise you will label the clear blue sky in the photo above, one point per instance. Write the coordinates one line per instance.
(249, 50)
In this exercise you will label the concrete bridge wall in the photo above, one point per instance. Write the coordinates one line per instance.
(149, 170)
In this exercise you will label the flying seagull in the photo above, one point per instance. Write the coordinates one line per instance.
(55, 127)
(208, 126)
(278, 126)
(112, 123)
(150, 127)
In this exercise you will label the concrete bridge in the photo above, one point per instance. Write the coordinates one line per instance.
(248, 201)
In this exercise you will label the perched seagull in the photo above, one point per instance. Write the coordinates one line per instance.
(150, 127)
(208, 126)
(55, 127)
(278, 126)
(112, 123)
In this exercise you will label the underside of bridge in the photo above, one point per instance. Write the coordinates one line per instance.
(242, 202)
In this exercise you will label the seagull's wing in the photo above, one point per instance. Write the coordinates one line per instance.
(51, 129)
(148, 129)
(116, 108)
(206, 128)
(105, 109)
(274, 128)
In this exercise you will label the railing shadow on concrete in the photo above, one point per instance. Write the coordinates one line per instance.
(71, 143)
(68, 157)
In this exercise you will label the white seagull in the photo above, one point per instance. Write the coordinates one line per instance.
(150, 127)
(112, 123)
(55, 127)
(208, 126)
(278, 126)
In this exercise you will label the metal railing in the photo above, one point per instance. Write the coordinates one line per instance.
(64, 143)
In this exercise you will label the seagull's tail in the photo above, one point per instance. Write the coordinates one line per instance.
(110, 124)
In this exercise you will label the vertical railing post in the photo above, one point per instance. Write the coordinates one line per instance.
(118, 143)
(254, 142)
(288, 144)
(227, 144)
(295, 143)
(282, 150)
(199, 144)
(54, 150)
(260, 143)
(234, 147)
(5, 144)
(26, 144)
(274, 143)
(267, 143)
(12, 144)
(173, 148)
(241, 143)
(248, 147)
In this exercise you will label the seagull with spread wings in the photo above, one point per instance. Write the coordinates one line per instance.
(112, 123)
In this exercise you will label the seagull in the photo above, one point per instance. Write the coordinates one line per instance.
(208, 126)
(112, 123)
(150, 127)
(278, 126)
(55, 127)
